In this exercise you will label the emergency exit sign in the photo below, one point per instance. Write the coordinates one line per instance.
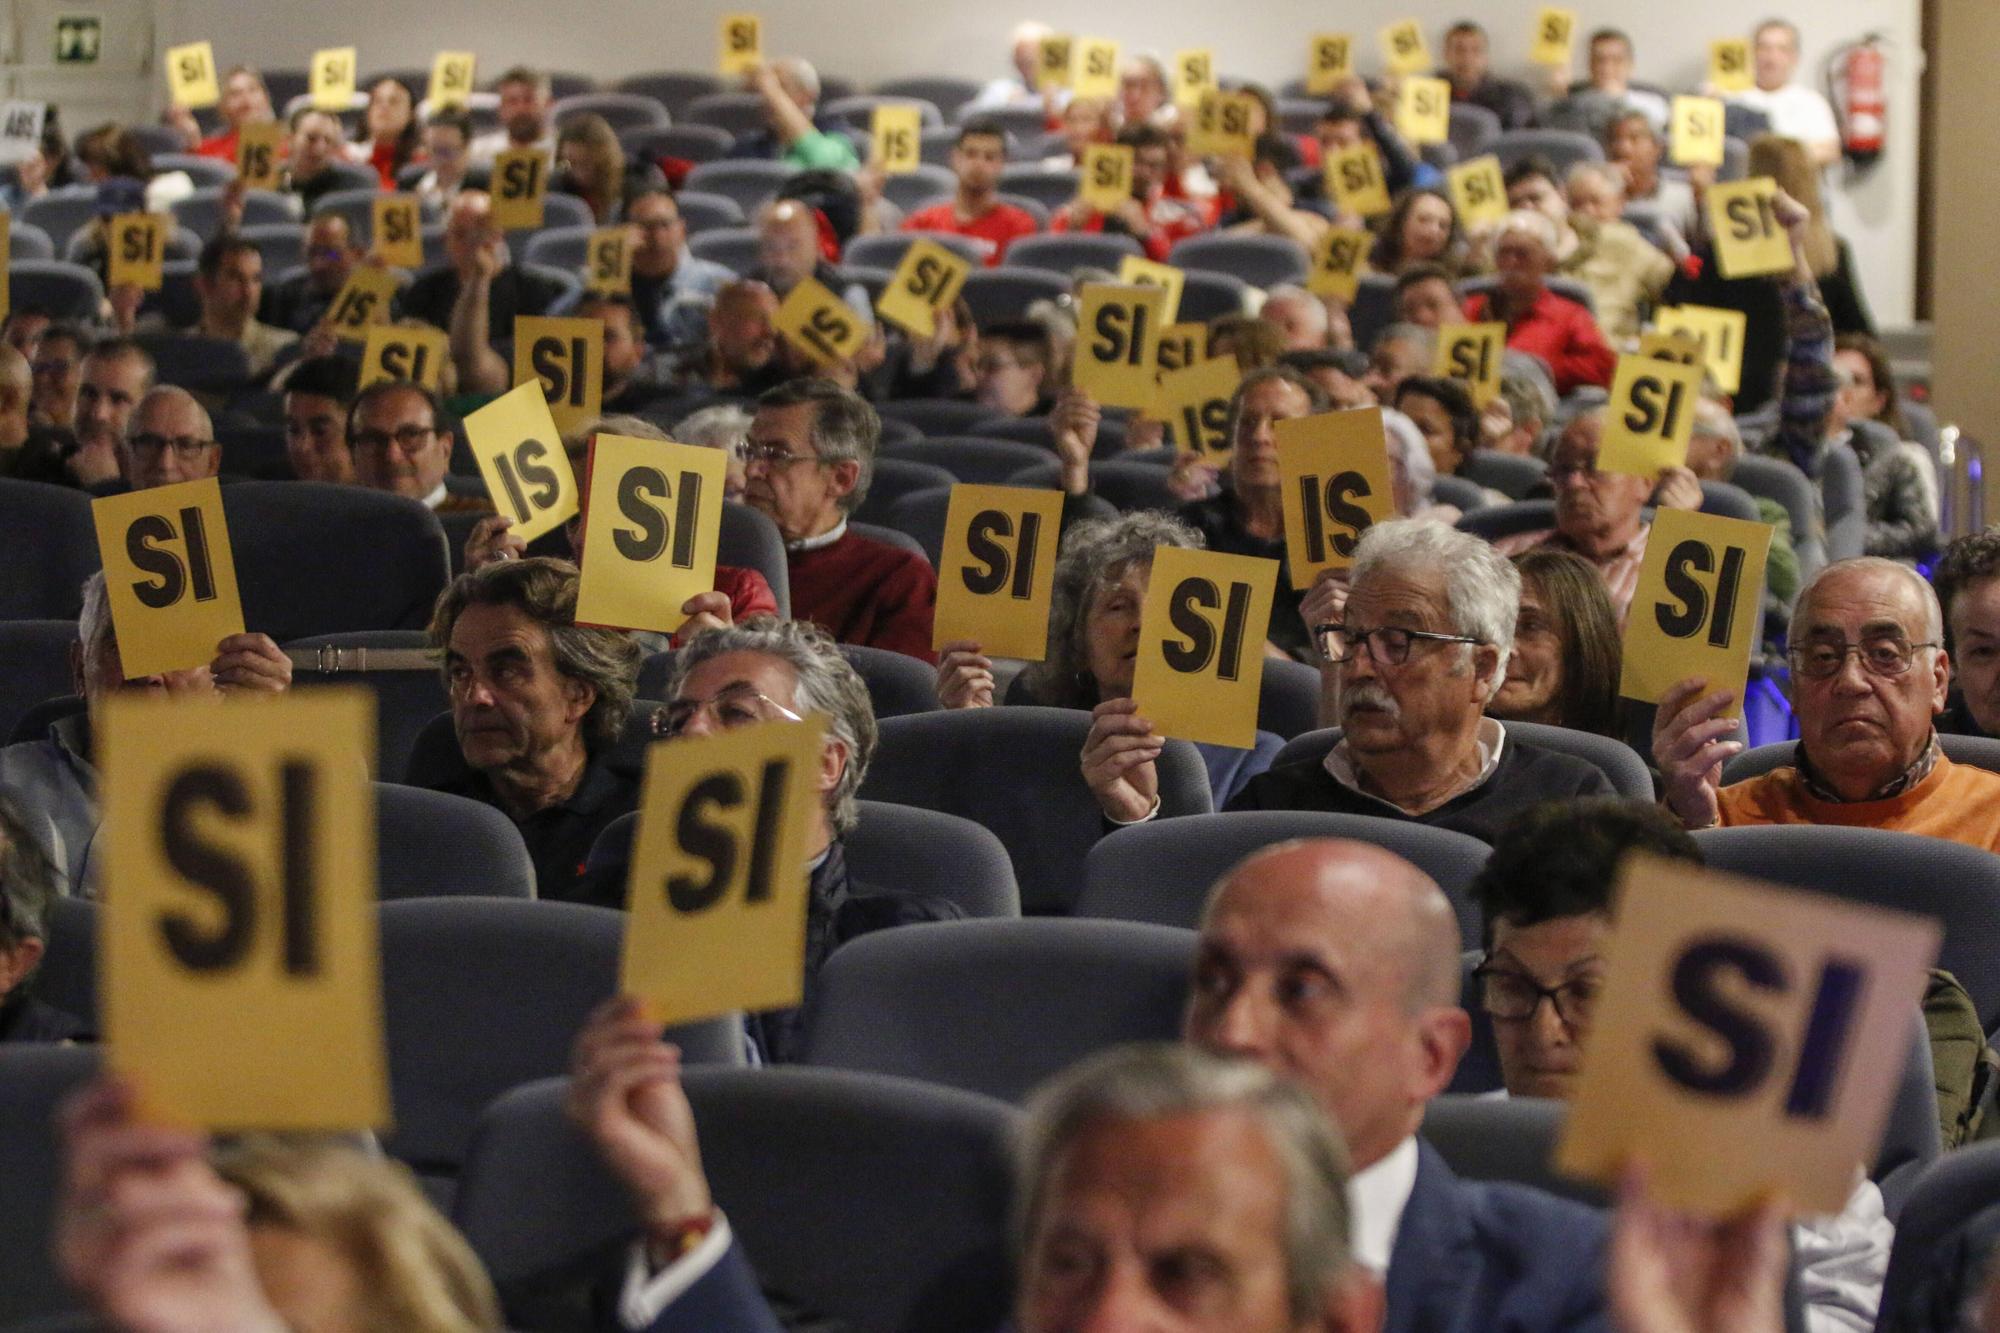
(78, 39)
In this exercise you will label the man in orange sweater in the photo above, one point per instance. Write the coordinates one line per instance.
(1869, 672)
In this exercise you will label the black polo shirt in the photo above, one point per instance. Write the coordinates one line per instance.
(559, 838)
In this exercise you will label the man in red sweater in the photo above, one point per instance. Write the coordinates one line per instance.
(807, 463)
(1150, 216)
(976, 210)
(1554, 328)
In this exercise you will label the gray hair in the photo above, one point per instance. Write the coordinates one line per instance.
(1425, 339)
(1597, 171)
(1286, 291)
(1409, 451)
(1095, 554)
(1159, 1080)
(1714, 421)
(1482, 589)
(29, 881)
(800, 71)
(828, 687)
(1531, 223)
(93, 626)
(1933, 613)
(172, 393)
(843, 427)
(724, 426)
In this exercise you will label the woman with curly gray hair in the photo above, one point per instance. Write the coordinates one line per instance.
(1101, 577)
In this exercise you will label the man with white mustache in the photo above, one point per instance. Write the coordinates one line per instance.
(1420, 650)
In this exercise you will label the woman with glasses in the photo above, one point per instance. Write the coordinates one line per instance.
(448, 149)
(1101, 577)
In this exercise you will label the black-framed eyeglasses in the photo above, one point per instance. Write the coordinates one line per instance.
(150, 445)
(407, 438)
(1507, 994)
(736, 706)
(1389, 645)
(1881, 655)
(775, 455)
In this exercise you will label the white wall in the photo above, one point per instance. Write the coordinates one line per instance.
(882, 38)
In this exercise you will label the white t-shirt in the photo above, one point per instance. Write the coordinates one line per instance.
(1795, 112)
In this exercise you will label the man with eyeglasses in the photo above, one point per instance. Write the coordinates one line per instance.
(671, 289)
(807, 464)
(1420, 650)
(1012, 372)
(171, 440)
(399, 447)
(301, 301)
(1869, 673)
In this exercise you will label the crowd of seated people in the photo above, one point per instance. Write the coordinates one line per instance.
(1268, 1170)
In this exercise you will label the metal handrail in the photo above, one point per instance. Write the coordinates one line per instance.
(1962, 462)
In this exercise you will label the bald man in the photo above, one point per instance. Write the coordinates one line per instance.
(478, 285)
(1336, 964)
(169, 440)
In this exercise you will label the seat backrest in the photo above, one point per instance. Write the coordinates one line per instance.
(1049, 188)
(1776, 479)
(920, 187)
(1131, 486)
(1956, 884)
(946, 94)
(432, 844)
(749, 540)
(280, 243)
(1161, 872)
(921, 516)
(48, 547)
(1619, 762)
(893, 479)
(483, 994)
(1978, 751)
(67, 291)
(738, 113)
(1472, 128)
(1014, 770)
(902, 541)
(705, 212)
(898, 684)
(37, 656)
(1949, 1193)
(969, 458)
(1846, 504)
(735, 248)
(1003, 294)
(1261, 261)
(886, 250)
(320, 558)
(1719, 497)
(1461, 493)
(1513, 475)
(559, 247)
(34, 1080)
(621, 110)
(748, 182)
(937, 416)
(405, 701)
(1209, 295)
(1066, 252)
(27, 241)
(1288, 699)
(672, 89)
(1506, 520)
(61, 213)
(1563, 148)
(997, 1007)
(814, 1168)
(1509, 1139)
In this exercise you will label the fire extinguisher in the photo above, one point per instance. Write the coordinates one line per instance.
(1857, 84)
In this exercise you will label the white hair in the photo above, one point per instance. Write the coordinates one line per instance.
(1597, 171)
(1482, 589)
(1408, 448)
(723, 426)
(1532, 224)
(1316, 317)
(800, 71)
(1871, 564)
(93, 626)
(1712, 421)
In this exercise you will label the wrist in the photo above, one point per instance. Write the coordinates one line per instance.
(669, 1237)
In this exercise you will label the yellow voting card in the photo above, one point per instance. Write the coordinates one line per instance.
(1749, 1040)
(1194, 74)
(521, 456)
(1749, 242)
(997, 570)
(363, 301)
(607, 263)
(1472, 354)
(716, 901)
(331, 78)
(815, 320)
(1106, 176)
(1201, 645)
(169, 575)
(1478, 190)
(898, 131)
(1180, 346)
(1053, 63)
(1354, 181)
(191, 76)
(398, 231)
(237, 924)
(1729, 65)
(1329, 59)
(928, 280)
(649, 535)
(742, 43)
(1223, 125)
(1720, 333)
(1095, 75)
(567, 357)
(259, 156)
(451, 78)
(1650, 416)
(1699, 602)
(138, 249)
(1697, 132)
(520, 184)
(1404, 48)
(1337, 485)
(1194, 402)
(1147, 273)
(1423, 110)
(1118, 333)
(1338, 262)
(414, 352)
(1554, 36)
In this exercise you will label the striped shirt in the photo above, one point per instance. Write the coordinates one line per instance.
(1620, 570)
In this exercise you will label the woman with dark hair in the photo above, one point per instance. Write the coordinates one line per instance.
(1564, 667)
(394, 138)
(1444, 412)
(1101, 577)
(1422, 229)
(1869, 382)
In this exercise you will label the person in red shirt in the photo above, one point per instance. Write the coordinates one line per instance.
(1150, 216)
(245, 101)
(394, 139)
(976, 210)
(1556, 329)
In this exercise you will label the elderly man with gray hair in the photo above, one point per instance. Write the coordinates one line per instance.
(28, 888)
(169, 440)
(1869, 673)
(55, 776)
(1421, 647)
(1554, 328)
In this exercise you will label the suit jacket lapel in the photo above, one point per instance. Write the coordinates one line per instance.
(1433, 1268)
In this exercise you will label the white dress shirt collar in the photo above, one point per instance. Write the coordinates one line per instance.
(1377, 1197)
(1491, 740)
(821, 542)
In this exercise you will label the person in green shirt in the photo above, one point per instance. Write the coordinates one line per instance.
(790, 89)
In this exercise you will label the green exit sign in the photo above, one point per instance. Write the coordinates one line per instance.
(78, 39)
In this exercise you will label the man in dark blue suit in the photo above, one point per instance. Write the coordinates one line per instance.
(1337, 964)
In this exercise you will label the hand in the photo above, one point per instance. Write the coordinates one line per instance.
(1079, 213)
(1325, 602)
(1144, 432)
(250, 662)
(232, 203)
(1794, 217)
(320, 341)
(1670, 1273)
(31, 173)
(964, 676)
(125, 301)
(1231, 172)
(1074, 422)
(625, 1092)
(182, 121)
(704, 611)
(1133, 214)
(1690, 742)
(869, 182)
(1677, 488)
(1701, 176)
(1352, 92)
(1193, 479)
(145, 1230)
(1118, 761)
(489, 541)
(93, 463)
